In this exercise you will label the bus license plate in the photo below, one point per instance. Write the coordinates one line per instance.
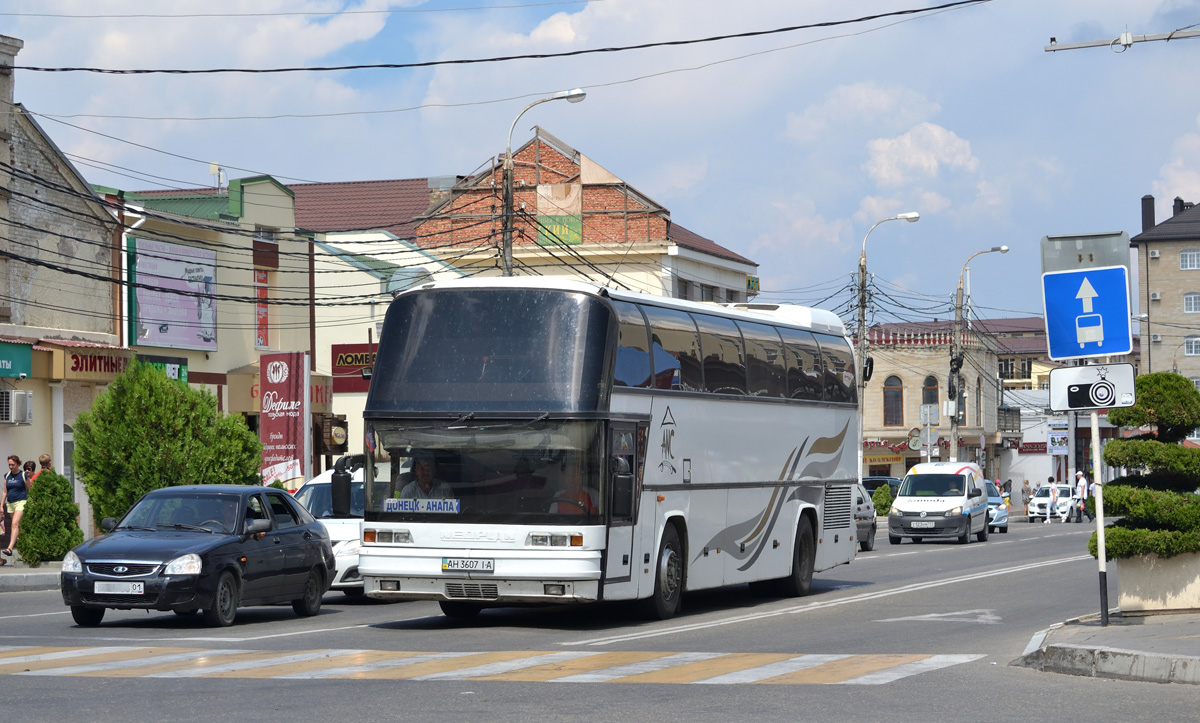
(120, 588)
(467, 564)
(922, 524)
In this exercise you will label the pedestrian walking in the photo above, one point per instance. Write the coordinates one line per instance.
(1026, 495)
(44, 461)
(1052, 502)
(1083, 491)
(16, 492)
(1008, 486)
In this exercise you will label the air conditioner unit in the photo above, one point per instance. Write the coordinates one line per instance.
(16, 407)
(1155, 295)
(1156, 337)
(1153, 253)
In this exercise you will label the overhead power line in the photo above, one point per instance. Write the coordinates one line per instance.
(502, 58)
(395, 11)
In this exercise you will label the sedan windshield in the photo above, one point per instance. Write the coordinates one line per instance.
(188, 511)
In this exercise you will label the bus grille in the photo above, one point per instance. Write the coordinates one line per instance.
(838, 514)
(472, 591)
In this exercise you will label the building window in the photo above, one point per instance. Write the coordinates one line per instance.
(1189, 259)
(1027, 367)
(1191, 346)
(893, 402)
(684, 290)
(266, 248)
(929, 394)
(1191, 303)
(1006, 368)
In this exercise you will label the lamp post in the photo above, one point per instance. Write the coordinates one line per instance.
(911, 217)
(571, 96)
(956, 357)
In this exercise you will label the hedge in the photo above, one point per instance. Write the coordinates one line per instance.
(49, 527)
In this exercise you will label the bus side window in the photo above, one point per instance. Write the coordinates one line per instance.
(804, 369)
(633, 348)
(724, 361)
(675, 349)
(841, 382)
(766, 367)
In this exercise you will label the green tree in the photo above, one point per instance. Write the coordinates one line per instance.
(50, 525)
(1159, 511)
(148, 431)
(882, 497)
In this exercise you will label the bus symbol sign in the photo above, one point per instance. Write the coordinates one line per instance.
(1087, 312)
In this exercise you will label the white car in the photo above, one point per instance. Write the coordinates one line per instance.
(344, 533)
(1041, 500)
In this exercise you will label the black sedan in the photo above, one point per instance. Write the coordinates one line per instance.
(210, 548)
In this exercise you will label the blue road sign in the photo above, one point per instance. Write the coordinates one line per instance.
(1087, 312)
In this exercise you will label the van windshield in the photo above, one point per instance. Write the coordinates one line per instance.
(932, 485)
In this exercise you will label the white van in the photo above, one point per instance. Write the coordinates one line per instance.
(940, 500)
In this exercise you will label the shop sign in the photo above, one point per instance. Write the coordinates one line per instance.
(16, 360)
(284, 423)
(348, 362)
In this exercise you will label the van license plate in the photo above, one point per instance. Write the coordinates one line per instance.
(120, 588)
(922, 524)
(467, 564)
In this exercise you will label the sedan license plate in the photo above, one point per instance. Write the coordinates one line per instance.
(922, 524)
(120, 588)
(467, 564)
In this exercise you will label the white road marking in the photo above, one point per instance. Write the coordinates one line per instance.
(33, 615)
(376, 665)
(250, 664)
(770, 670)
(135, 663)
(64, 654)
(507, 666)
(903, 671)
(984, 617)
(645, 666)
(822, 604)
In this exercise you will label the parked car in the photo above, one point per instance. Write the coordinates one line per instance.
(873, 483)
(940, 500)
(210, 548)
(1041, 500)
(997, 509)
(344, 533)
(864, 518)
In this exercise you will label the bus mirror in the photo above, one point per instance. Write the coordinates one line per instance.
(339, 488)
(622, 496)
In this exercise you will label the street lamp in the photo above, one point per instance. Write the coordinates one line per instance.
(911, 217)
(571, 96)
(955, 379)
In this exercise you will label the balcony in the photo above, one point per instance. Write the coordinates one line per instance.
(1008, 419)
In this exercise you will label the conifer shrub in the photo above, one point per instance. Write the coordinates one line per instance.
(49, 527)
(882, 497)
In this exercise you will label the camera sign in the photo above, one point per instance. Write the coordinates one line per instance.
(1096, 386)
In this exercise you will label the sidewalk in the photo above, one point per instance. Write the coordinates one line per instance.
(16, 576)
(1152, 648)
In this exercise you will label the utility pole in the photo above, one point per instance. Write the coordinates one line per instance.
(911, 217)
(957, 353)
(1123, 41)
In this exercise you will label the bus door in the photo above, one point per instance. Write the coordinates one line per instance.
(624, 456)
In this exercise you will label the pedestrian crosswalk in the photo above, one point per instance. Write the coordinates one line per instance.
(514, 666)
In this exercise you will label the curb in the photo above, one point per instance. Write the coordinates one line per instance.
(29, 581)
(1105, 662)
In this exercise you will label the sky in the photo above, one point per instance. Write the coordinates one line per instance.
(784, 147)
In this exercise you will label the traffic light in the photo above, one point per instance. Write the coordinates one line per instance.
(956, 362)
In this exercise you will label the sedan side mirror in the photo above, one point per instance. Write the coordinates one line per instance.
(253, 527)
(108, 523)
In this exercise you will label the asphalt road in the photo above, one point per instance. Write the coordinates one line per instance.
(904, 632)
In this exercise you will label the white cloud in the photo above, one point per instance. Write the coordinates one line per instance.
(918, 154)
(1180, 176)
(673, 179)
(864, 103)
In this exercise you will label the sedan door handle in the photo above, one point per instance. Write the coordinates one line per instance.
(307, 535)
(277, 541)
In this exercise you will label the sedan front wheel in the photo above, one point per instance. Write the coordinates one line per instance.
(225, 602)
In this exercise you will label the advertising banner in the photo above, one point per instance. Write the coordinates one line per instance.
(348, 362)
(1057, 442)
(172, 304)
(284, 422)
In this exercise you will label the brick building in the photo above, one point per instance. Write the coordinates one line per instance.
(573, 217)
(1168, 257)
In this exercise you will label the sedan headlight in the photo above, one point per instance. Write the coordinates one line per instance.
(188, 564)
(346, 548)
(71, 563)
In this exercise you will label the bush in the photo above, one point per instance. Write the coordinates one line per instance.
(148, 431)
(882, 497)
(49, 527)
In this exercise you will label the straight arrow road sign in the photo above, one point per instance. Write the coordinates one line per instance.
(1087, 312)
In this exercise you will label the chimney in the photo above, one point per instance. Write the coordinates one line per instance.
(1147, 212)
(1177, 206)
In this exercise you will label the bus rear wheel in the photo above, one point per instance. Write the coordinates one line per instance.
(804, 559)
(668, 579)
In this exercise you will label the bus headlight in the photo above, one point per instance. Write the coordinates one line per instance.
(554, 539)
(387, 537)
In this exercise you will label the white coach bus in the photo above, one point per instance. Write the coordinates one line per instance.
(572, 443)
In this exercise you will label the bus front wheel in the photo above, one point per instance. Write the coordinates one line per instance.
(668, 579)
(804, 558)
